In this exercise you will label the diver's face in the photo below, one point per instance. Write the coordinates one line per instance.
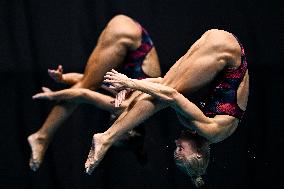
(184, 148)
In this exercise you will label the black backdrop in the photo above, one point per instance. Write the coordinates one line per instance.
(37, 35)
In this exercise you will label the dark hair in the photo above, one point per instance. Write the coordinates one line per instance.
(196, 164)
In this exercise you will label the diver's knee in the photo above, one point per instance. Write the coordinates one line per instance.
(122, 27)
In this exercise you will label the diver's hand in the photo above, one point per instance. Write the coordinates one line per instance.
(46, 94)
(117, 80)
(56, 75)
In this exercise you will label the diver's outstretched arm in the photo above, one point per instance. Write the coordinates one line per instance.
(195, 118)
(151, 86)
(78, 96)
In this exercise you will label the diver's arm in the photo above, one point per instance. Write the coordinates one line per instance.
(209, 128)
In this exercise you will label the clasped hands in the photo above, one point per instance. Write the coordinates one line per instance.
(120, 83)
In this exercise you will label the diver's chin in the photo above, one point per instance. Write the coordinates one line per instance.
(178, 160)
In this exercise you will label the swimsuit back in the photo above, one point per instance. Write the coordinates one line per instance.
(134, 59)
(222, 99)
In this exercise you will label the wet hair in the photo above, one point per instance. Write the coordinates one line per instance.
(196, 164)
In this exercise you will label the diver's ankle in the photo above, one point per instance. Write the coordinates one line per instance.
(41, 137)
(110, 138)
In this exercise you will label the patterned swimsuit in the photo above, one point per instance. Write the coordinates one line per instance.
(134, 59)
(222, 99)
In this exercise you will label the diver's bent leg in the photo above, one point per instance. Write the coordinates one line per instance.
(109, 53)
(120, 35)
(40, 140)
(140, 111)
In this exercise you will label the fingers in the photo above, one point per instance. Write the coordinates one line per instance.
(60, 69)
(56, 74)
(45, 89)
(117, 100)
(120, 97)
(53, 74)
(116, 79)
(109, 81)
(38, 96)
(50, 72)
(43, 96)
(109, 76)
(123, 95)
(112, 78)
(114, 71)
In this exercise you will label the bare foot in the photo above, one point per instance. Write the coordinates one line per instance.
(38, 146)
(97, 153)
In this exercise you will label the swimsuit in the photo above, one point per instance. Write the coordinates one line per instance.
(134, 59)
(132, 67)
(222, 99)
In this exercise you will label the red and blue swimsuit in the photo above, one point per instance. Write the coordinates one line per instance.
(134, 59)
(222, 99)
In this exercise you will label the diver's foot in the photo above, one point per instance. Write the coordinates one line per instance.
(97, 152)
(38, 146)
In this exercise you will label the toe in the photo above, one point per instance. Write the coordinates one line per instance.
(34, 165)
(89, 169)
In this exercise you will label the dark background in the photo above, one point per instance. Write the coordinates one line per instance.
(37, 35)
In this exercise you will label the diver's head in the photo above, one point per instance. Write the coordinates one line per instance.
(192, 156)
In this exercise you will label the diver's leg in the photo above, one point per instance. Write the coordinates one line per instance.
(120, 35)
(140, 111)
